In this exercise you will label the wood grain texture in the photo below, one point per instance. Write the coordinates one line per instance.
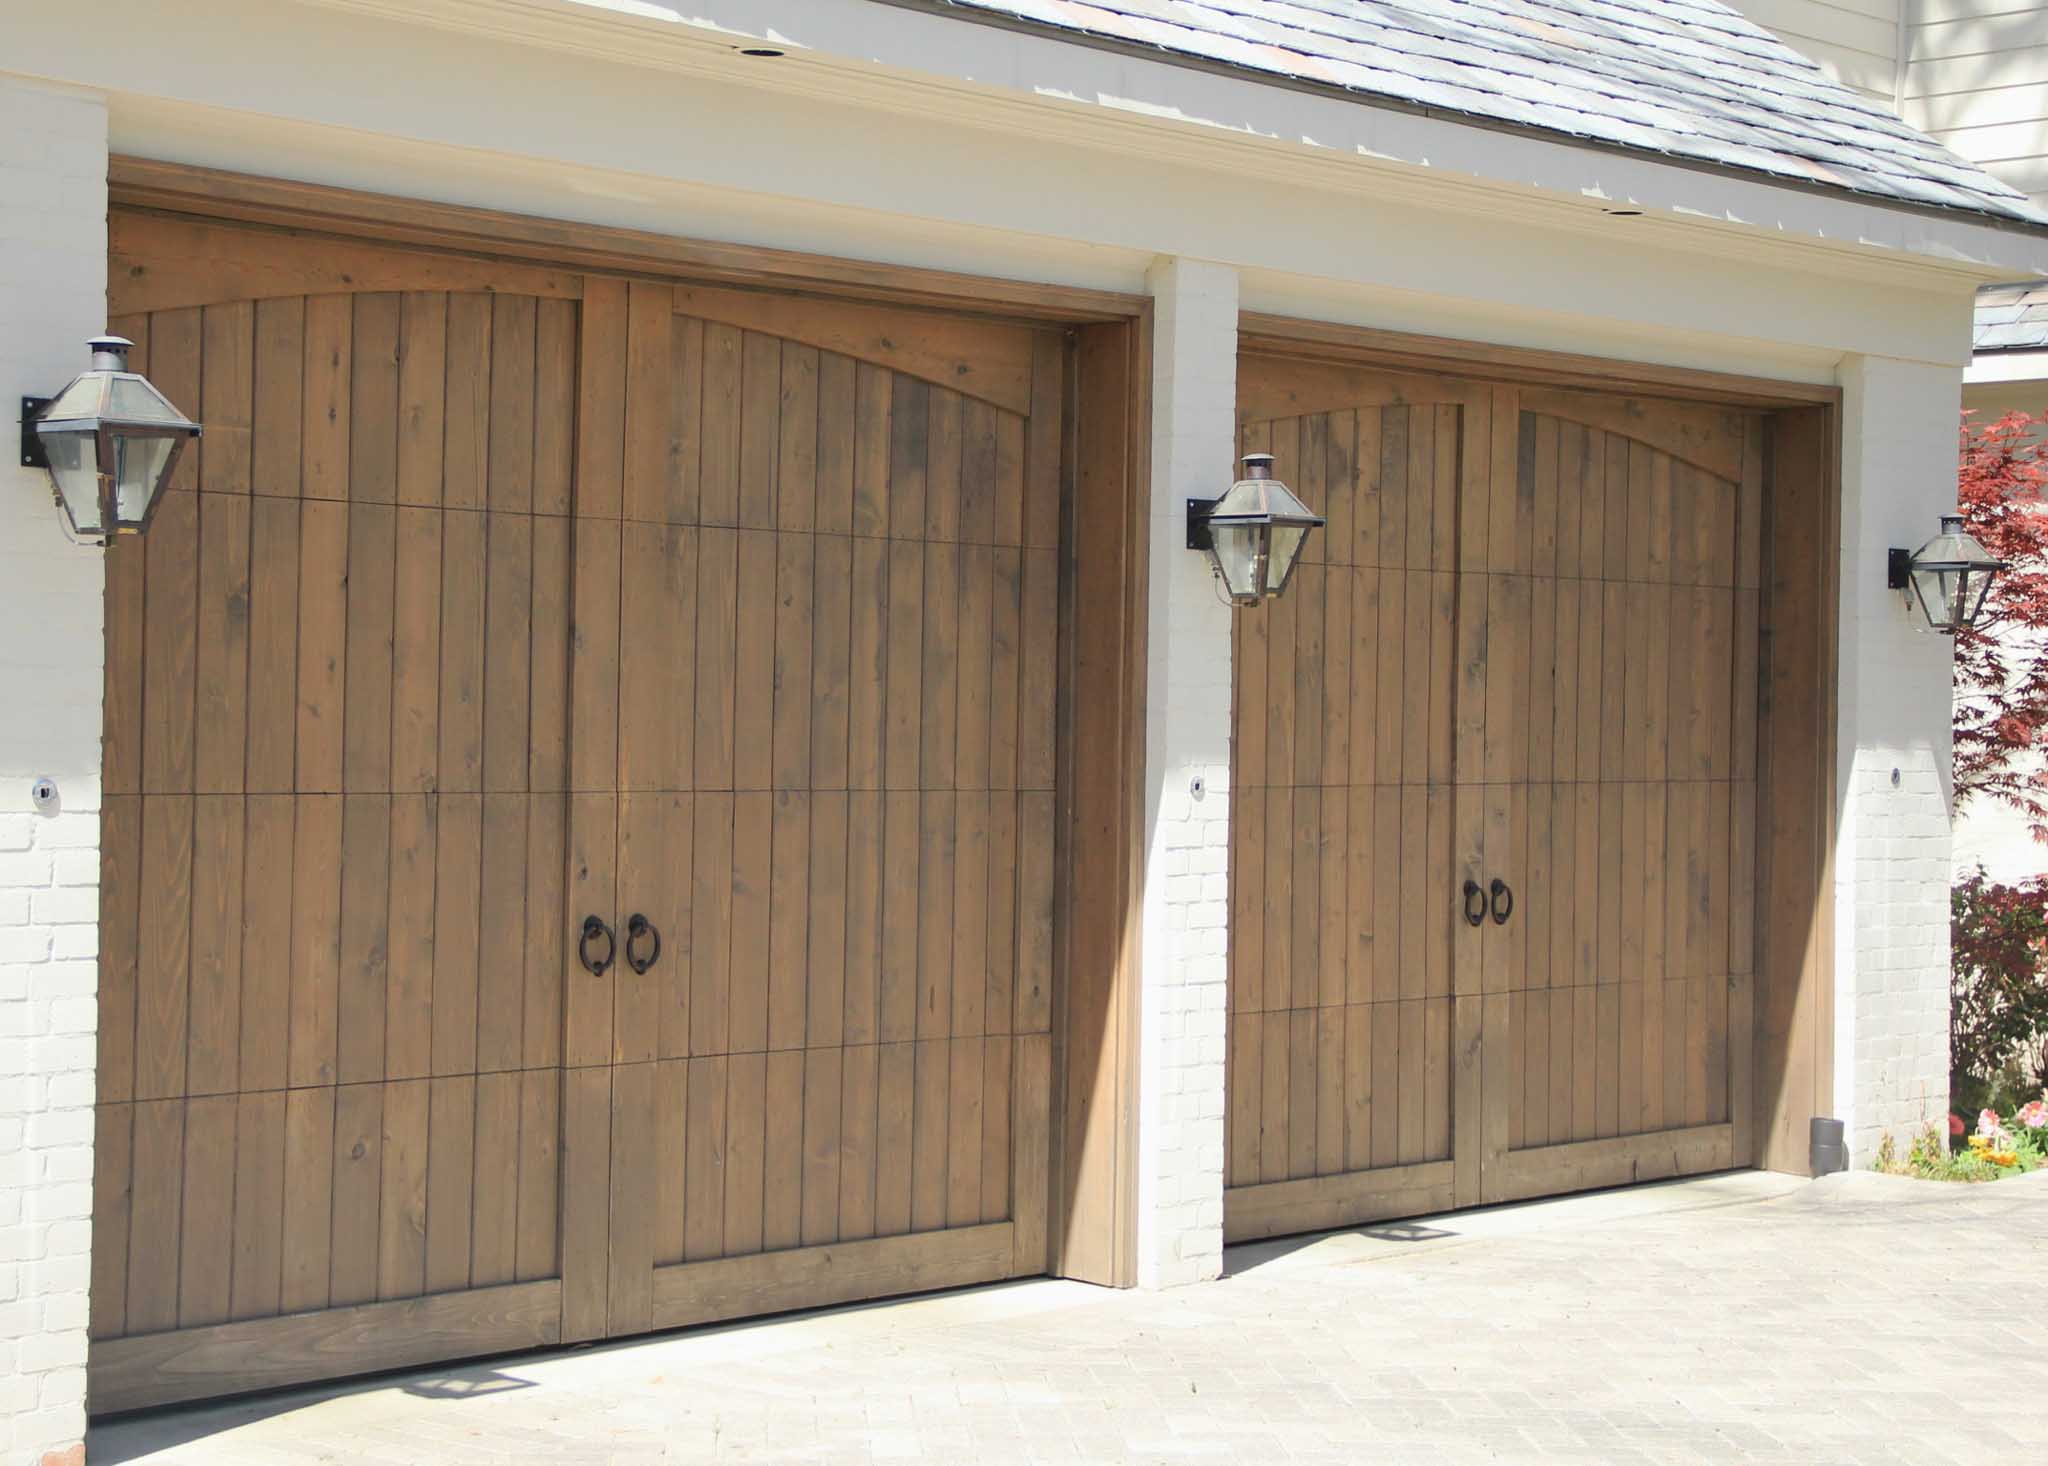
(257, 1354)
(390, 743)
(982, 359)
(844, 1272)
(1582, 677)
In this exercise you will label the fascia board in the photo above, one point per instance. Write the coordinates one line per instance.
(953, 71)
(2006, 366)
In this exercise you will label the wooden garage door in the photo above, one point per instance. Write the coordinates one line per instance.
(1339, 1060)
(1614, 787)
(825, 592)
(333, 851)
(520, 597)
(1437, 701)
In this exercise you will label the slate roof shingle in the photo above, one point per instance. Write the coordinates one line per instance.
(2013, 317)
(1688, 79)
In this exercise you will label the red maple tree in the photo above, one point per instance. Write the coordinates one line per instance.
(2001, 676)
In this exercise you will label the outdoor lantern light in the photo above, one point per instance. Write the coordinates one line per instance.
(1949, 576)
(1254, 533)
(109, 440)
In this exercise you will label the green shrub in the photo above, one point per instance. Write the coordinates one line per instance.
(1998, 991)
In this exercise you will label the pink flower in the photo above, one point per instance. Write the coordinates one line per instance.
(1988, 1122)
(1955, 1123)
(2033, 1114)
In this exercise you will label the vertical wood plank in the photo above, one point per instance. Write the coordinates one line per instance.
(357, 1178)
(754, 663)
(402, 1199)
(494, 1224)
(857, 1141)
(206, 1221)
(795, 620)
(1031, 1158)
(586, 1186)
(824, 1113)
(964, 1117)
(154, 1210)
(759, 428)
(671, 1158)
(113, 1151)
(213, 1053)
(783, 1151)
(629, 1286)
(704, 1161)
(170, 651)
(895, 1097)
(540, 1174)
(363, 973)
(308, 1194)
(745, 1145)
(451, 1160)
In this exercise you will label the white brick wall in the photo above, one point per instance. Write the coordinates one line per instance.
(53, 274)
(1186, 895)
(1893, 851)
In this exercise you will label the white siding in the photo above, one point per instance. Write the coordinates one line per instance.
(1854, 41)
(1973, 74)
(1977, 81)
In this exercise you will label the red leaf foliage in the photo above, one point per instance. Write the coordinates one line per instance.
(2002, 663)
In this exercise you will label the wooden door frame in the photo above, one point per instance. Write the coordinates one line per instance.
(1090, 1226)
(1791, 1060)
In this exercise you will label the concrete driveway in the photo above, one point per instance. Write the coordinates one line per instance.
(1743, 1317)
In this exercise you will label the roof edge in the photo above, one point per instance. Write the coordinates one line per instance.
(1186, 60)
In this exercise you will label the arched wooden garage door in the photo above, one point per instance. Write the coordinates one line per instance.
(497, 598)
(1522, 652)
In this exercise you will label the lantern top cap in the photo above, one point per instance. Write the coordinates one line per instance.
(1956, 548)
(114, 349)
(1259, 498)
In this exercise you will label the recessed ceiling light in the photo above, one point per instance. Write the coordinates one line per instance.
(764, 52)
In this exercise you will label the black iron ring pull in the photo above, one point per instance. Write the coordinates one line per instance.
(637, 927)
(1501, 894)
(1474, 914)
(593, 928)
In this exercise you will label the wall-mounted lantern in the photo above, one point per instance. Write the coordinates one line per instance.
(1254, 534)
(1949, 576)
(109, 441)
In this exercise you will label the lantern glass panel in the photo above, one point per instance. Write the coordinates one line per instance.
(132, 399)
(1236, 553)
(82, 398)
(139, 465)
(1286, 545)
(1930, 588)
(1973, 598)
(74, 464)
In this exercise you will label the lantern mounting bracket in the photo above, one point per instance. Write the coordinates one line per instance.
(33, 454)
(1199, 537)
(1898, 569)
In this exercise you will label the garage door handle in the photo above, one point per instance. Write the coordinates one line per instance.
(1474, 914)
(596, 964)
(1503, 902)
(638, 929)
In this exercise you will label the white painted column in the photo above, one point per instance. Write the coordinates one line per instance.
(53, 296)
(1899, 423)
(1187, 739)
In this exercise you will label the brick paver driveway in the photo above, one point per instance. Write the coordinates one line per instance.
(1735, 1318)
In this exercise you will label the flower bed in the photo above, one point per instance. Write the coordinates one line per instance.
(2001, 1145)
